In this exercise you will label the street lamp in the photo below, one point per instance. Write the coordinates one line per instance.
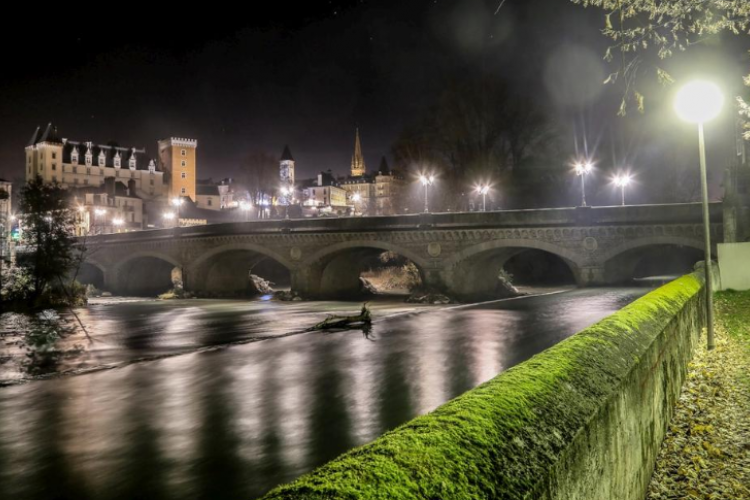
(169, 216)
(582, 169)
(699, 102)
(177, 202)
(245, 206)
(356, 197)
(427, 181)
(483, 190)
(117, 223)
(622, 181)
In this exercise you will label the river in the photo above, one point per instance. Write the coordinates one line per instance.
(226, 399)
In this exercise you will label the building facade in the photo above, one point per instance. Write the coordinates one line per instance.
(324, 192)
(116, 188)
(178, 161)
(368, 194)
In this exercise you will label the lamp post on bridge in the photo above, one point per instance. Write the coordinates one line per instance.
(427, 181)
(699, 102)
(583, 169)
(622, 181)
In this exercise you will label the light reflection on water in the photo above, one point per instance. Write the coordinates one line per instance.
(233, 423)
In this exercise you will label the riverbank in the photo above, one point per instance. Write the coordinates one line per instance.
(706, 453)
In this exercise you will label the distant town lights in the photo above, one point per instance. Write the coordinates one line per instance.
(117, 221)
(169, 215)
(177, 201)
(100, 211)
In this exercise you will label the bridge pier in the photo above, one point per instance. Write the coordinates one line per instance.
(590, 276)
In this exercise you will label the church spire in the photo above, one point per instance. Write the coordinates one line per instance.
(358, 161)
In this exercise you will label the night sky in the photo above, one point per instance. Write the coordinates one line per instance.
(308, 75)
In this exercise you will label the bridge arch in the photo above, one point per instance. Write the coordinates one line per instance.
(653, 256)
(337, 268)
(91, 272)
(225, 270)
(473, 272)
(143, 273)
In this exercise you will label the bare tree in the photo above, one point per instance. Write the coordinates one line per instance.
(479, 131)
(260, 175)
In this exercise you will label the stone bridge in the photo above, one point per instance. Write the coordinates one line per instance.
(460, 253)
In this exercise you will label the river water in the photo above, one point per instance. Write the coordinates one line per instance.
(226, 399)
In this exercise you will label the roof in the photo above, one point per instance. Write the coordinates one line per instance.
(206, 190)
(111, 150)
(384, 168)
(287, 155)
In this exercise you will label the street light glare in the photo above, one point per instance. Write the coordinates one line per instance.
(699, 102)
(623, 180)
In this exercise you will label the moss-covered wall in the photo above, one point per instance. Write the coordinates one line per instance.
(582, 420)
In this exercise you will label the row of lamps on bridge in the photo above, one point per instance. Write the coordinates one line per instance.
(697, 102)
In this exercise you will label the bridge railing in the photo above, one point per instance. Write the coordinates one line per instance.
(553, 217)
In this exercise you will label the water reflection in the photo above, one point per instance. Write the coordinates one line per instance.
(233, 423)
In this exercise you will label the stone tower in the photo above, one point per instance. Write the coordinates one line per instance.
(358, 161)
(177, 158)
(286, 168)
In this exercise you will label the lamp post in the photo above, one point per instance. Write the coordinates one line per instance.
(699, 102)
(117, 223)
(483, 190)
(169, 216)
(245, 206)
(177, 202)
(356, 197)
(622, 181)
(582, 169)
(427, 181)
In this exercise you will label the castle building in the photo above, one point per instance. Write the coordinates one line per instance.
(116, 188)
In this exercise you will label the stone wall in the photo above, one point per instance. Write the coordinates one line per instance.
(582, 420)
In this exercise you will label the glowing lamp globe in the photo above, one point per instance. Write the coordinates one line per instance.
(699, 102)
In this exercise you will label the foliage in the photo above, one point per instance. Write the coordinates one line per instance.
(706, 453)
(501, 439)
(48, 228)
(479, 131)
(17, 284)
(640, 27)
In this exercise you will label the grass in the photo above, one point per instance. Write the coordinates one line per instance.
(706, 454)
